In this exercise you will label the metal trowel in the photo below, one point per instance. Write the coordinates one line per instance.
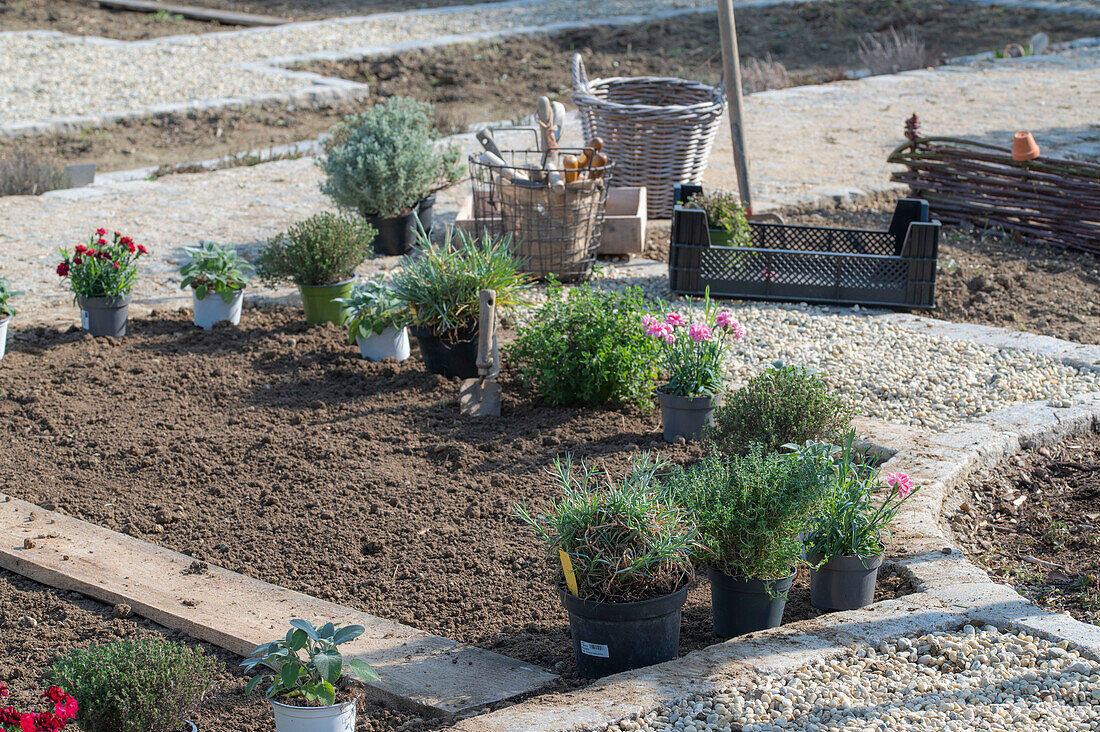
(480, 397)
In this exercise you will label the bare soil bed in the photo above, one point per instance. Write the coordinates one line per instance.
(317, 9)
(79, 19)
(1034, 523)
(486, 82)
(39, 623)
(233, 445)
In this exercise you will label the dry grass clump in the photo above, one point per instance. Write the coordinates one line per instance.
(893, 52)
(759, 75)
(22, 173)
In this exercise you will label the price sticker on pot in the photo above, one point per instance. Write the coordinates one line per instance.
(570, 577)
(599, 650)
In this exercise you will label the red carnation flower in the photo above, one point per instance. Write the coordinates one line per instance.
(117, 235)
(55, 694)
(49, 722)
(101, 232)
(77, 261)
(101, 242)
(116, 264)
(142, 249)
(103, 254)
(3, 689)
(130, 246)
(81, 249)
(63, 269)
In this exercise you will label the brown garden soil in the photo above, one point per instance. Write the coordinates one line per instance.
(79, 19)
(316, 9)
(275, 451)
(1034, 523)
(498, 81)
(38, 624)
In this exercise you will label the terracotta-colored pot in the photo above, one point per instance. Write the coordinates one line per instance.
(1024, 147)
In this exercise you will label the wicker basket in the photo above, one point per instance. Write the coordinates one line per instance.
(658, 131)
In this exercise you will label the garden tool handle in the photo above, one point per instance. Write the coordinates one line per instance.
(487, 325)
(485, 137)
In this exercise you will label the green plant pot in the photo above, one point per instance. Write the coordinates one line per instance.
(318, 302)
(720, 238)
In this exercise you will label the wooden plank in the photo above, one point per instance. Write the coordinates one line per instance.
(226, 17)
(427, 673)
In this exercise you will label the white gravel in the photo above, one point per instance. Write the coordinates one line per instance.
(969, 680)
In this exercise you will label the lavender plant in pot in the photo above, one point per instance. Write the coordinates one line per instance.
(217, 276)
(101, 276)
(6, 312)
(308, 677)
(692, 354)
(846, 545)
(751, 512)
(376, 322)
(624, 562)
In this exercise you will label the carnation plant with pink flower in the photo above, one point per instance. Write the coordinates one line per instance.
(692, 353)
(862, 503)
(104, 267)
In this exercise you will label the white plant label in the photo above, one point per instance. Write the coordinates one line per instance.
(594, 649)
(84, 319)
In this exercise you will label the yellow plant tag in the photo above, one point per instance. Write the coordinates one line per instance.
(570, 577)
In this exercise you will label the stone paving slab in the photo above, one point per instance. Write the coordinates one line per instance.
(430, 674)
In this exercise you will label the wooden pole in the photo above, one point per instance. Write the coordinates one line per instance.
(731, 67)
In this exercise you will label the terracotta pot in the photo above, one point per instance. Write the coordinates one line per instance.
(1024, 147)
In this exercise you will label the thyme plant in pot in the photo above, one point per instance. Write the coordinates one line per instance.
(847, 543)
(726, 219)
(6, 313)
(440, 286)
(386, 164)
(309, 691)
(217, 276)
(376, 322)
(319, 255)
(101, 276)
(625, 561)
(692, 354)
(751, 512)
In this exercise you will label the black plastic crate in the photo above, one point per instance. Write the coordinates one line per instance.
(895, 268)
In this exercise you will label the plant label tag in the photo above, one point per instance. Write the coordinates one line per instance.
(570, 577)
(84, 319)
(594, 649)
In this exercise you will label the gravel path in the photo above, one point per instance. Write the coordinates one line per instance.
(961, 681)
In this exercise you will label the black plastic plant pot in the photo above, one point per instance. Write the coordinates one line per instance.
(843, 583)
(397, 235)
(451, 354)
(609, 637)
(740, 605)
(104, 316)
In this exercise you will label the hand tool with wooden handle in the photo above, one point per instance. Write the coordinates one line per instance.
(485, 137)
(480, 397)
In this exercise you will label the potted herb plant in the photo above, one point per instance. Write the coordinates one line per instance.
(847, 543)
(219, 271)
(6, 313)
(625, 559)
(319, 255)
(377, 322)
(751, 513)
(63, 709)
(385, 163)
(102, 276)
(440, 286)
(726, 219)
(306, 672)
(692, 354)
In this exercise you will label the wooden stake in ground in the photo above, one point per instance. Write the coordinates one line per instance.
(731, 68)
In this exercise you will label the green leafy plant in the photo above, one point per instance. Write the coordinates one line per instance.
(751, 510)
(852, 521)
(586, 347)
(147, 685)
(321, 250)
(725, 213)
(440, 285)
(383, 161)
(6, 293)
(693, 353)
(785, 404)
(372, 308)
(102, 268)
(307, 663)
(624, 543)
(215, 268)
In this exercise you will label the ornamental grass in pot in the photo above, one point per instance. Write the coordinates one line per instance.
(751, 512)
(6, 312)
(217, 276)
(624, 558)
(386, 164)
(319, 255)
(693, 355)
(846, 545)
(101, 276)
(377, 321)
(309, 686)
(441, 284)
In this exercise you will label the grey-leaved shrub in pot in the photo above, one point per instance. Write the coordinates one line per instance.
(624, 562)
(101, 276)
(846, 544)
(308, 677)
(377, 321)
(386, 163)
(6, 313)
(751, 512)
(319, 255)
(217, 276)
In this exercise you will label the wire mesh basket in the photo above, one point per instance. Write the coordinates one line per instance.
(553, 214)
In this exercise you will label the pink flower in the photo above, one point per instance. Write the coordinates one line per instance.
(670, 338)
(674, 319)
(902, 482)
(699, 332)
(737, 331)
(725, 320)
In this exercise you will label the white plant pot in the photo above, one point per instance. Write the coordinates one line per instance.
(213, 309)
(390, 343)
(337, 718)
(4, 335)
